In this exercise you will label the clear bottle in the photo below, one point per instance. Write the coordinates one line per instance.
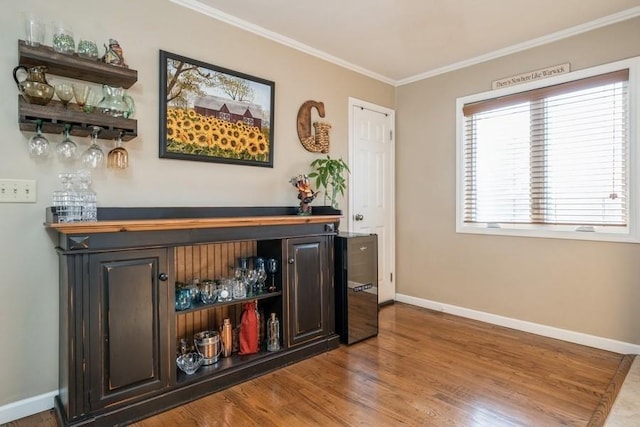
(262, 333)
(273, 333)
(88, 198)
(67, 201)
(259, 330)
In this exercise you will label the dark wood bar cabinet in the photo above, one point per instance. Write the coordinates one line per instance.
(119, 329)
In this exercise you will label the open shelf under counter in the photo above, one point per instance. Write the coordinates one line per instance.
(225, 364)
(202, 306)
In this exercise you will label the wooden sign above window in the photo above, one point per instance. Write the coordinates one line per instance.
(531, 76)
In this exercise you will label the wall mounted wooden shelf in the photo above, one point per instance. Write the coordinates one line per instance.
(75, 66)
(54, 116)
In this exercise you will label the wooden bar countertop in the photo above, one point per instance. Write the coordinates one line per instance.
(186, 223)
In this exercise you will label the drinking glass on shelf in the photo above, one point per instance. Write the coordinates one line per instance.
(262, 277)
(34, 29)
(93, 157)
(87, 49)
(239, 290)
(81, 93)
(251, 279)
(64, 92)
(67, 149)
(272, 268)
(93, 99)
(225, 289)
(62, 38)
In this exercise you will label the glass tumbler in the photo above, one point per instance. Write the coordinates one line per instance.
(34, 30)
(63, 41)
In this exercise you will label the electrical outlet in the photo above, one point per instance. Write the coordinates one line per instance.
(17, 191)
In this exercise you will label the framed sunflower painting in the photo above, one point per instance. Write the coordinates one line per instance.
(213, 114)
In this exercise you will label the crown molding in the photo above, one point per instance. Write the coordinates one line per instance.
(549, 38)
(278, 38)
(199, 7)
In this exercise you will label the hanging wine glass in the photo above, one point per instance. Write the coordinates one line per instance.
(272, 268)
(118, 158)
(93, 157)
(38, 144)
(67, 149)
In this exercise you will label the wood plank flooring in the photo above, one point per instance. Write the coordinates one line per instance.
(425, 368)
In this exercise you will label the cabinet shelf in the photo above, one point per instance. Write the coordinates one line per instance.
(201, 306)
(75, 66)
(54, 117)
(223, 364)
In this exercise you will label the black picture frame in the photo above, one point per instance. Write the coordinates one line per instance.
(213, 114)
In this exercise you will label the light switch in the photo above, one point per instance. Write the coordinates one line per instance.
(17, 191)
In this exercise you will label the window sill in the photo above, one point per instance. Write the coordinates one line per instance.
(550, 232)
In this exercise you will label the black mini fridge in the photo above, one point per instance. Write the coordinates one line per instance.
(356, 286)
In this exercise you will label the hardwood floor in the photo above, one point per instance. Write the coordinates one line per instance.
(424, 368)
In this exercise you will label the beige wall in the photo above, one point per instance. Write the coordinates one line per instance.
(581, 286)
(28, 264)
(588, 287)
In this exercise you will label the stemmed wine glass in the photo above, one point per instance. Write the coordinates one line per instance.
(67, 149)
(81, 93)
(38, 144)
(64, 92)
(93, 157)
(272, 267)
(262, 274)
(251, 279)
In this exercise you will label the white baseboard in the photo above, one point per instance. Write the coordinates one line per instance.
(24, 408)
(521, 325)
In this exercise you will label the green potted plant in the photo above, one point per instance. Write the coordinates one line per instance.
(329, 176)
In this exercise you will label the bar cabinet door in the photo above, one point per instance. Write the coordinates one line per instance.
(128, 297)
(310, 290)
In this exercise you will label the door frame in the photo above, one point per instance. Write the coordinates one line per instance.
(391, 114)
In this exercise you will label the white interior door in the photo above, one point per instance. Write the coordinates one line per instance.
(371, 188)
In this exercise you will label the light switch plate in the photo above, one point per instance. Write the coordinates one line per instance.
(17, 191)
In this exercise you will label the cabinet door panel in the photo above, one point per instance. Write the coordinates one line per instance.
(128, 315)
(130, 330)
(308, 278)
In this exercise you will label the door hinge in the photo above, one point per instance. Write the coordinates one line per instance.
(390, 135)
(391, 277)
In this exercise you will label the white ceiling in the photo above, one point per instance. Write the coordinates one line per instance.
(398, 41)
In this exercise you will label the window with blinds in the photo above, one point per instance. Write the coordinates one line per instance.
(554, 157)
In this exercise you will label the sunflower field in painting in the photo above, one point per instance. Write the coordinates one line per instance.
(189, 132)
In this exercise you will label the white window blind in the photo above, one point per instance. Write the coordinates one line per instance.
(552, 155)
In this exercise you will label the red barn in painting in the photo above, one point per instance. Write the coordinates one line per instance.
(229, 110)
